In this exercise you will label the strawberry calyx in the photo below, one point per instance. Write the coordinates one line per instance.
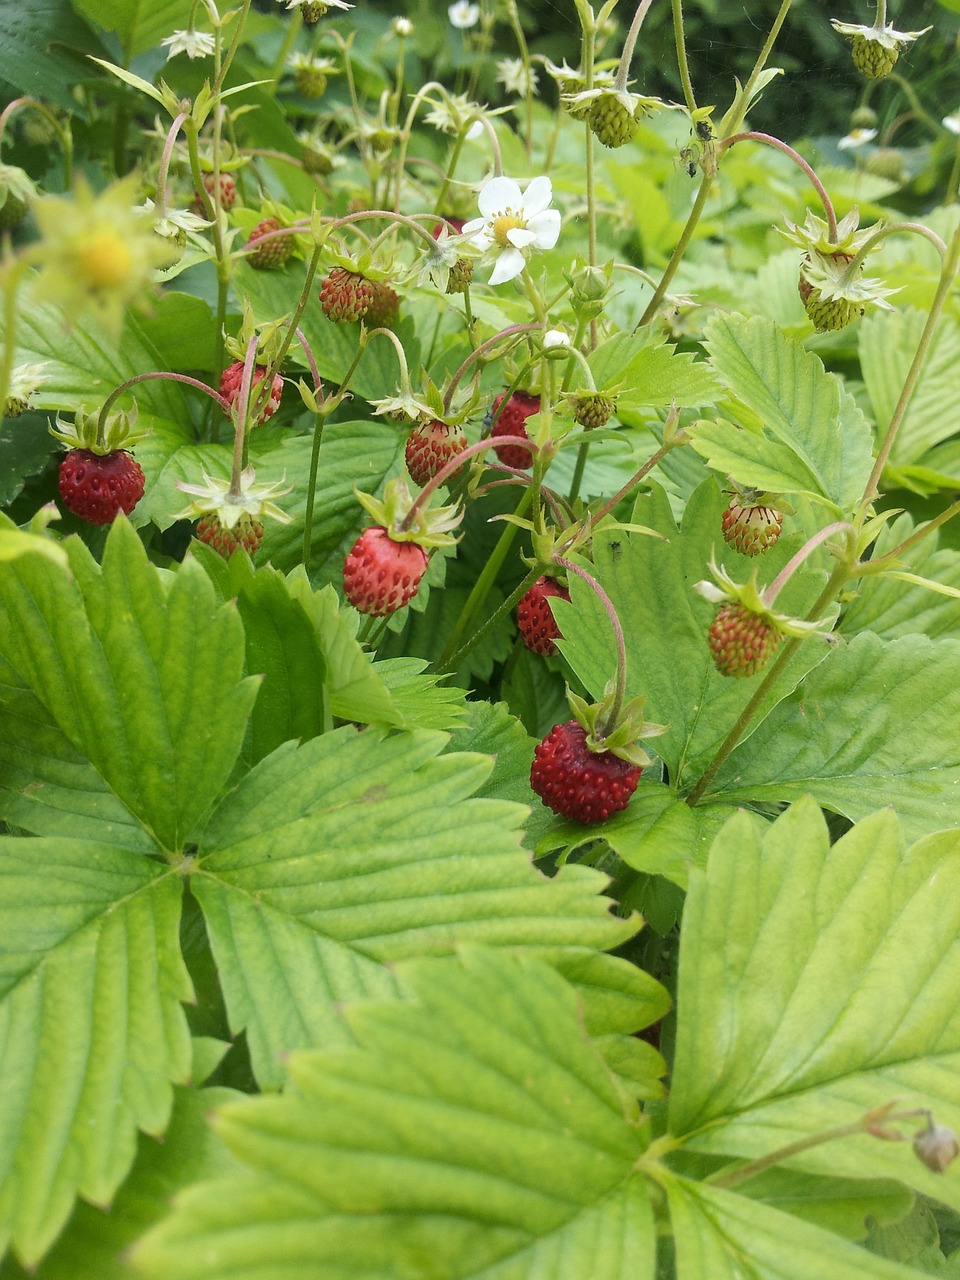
(85, 432)
(759, 603)
(406, 519)
(618, 732)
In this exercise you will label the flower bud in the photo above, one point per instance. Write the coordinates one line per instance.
(937, 1146)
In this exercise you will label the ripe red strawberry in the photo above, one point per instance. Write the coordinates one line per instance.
(272, 253)
(742, 642)
(578, 783)
(535, 620)
(752, 529)
(246, 533)
(346, 295)
(380, 575)
(511, 422)
(97, 486)
(431, 447)
(230, 381)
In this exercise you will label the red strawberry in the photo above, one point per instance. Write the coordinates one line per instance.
(454, 226)
(578, 783)
(246, 533)
(274, 252)
(742, 642)
(346, 295)
(430, 447)
(538, 627)
(380, 575)
(97, 486)
(511, 422)
(230, 381)
(228, 193)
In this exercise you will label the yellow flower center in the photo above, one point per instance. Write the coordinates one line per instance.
(104, 260)
(504, 222)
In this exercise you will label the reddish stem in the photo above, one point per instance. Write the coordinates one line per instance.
(798, 159)
(423, 497)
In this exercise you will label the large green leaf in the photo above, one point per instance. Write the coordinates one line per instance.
(356, 850)
(652, 375)
(91, 1028)
(728, 1237)
(474, 1133)
(95, 1243)
(138, 24)
(142, 675)
(812, 438)
(665, 624)
(817, 983)
(42, 49)
(888, 343)
(877, 723)
(25, 446)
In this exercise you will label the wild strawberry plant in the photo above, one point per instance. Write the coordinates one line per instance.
(479, 649)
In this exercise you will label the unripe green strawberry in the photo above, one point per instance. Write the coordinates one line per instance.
(828, 314)
(381, 575)
(751, 529)
(742, 643)
(312, 11)
(613, 123)
(384, 309)
(311, 81)
(430, 447)
(246, 533)
(886, 162)
(586, 786)
(13, 212)
(592, 409)
(345, 295)
(317, 158)
(274, 252)
(873, 59)
(461, 276)
(863, 118)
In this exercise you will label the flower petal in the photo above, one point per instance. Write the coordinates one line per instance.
(537, 196)
(546, 228)
(498, 194)
(520, 237)
(509, 264)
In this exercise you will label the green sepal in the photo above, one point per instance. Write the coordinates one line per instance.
(118, 431)
(430, 528)
(622, 739)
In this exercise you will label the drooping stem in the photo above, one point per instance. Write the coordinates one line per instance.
(454, 465)
(153, 376)
(62, 131)
(916, 228)
(478, 352)
(160, 204)
(242, 411)
(291, 331)
(613, 715)
(623, 70)
(798, 160)
(793, 564)
(948, 274)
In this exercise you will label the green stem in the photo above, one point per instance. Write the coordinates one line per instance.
(836, 580)
(221, 75)
(683, 65)
(483, 584)
(10, 316)
(507, 607)
(675, 258)
(948, 274)
(613, 714)
(733, 120)
(889, 558)
(312, 490)
(291, 332)
(917, 228)
(280, 61)
(452, 162)
(478, 352)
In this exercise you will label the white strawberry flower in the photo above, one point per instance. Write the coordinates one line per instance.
(195, 44)
(463, 15)
(952, 122)
(517, 77)
(512, 223)
(856, 138)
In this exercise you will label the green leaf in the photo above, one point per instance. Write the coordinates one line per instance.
(888, 342)
(140, 674)
(42, 48)
(135, 82)
(138, 24)
(877, 723)
(817, 983)
(665, 623)
(652, 375)
(91, 1028)
(425, 1151)
(845, 1206)
(730, 1237)
(95, 1243)
(661, 834)
(813, 440)
(25, 446)
(358, 850)
(888, 609)
(423, 700)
